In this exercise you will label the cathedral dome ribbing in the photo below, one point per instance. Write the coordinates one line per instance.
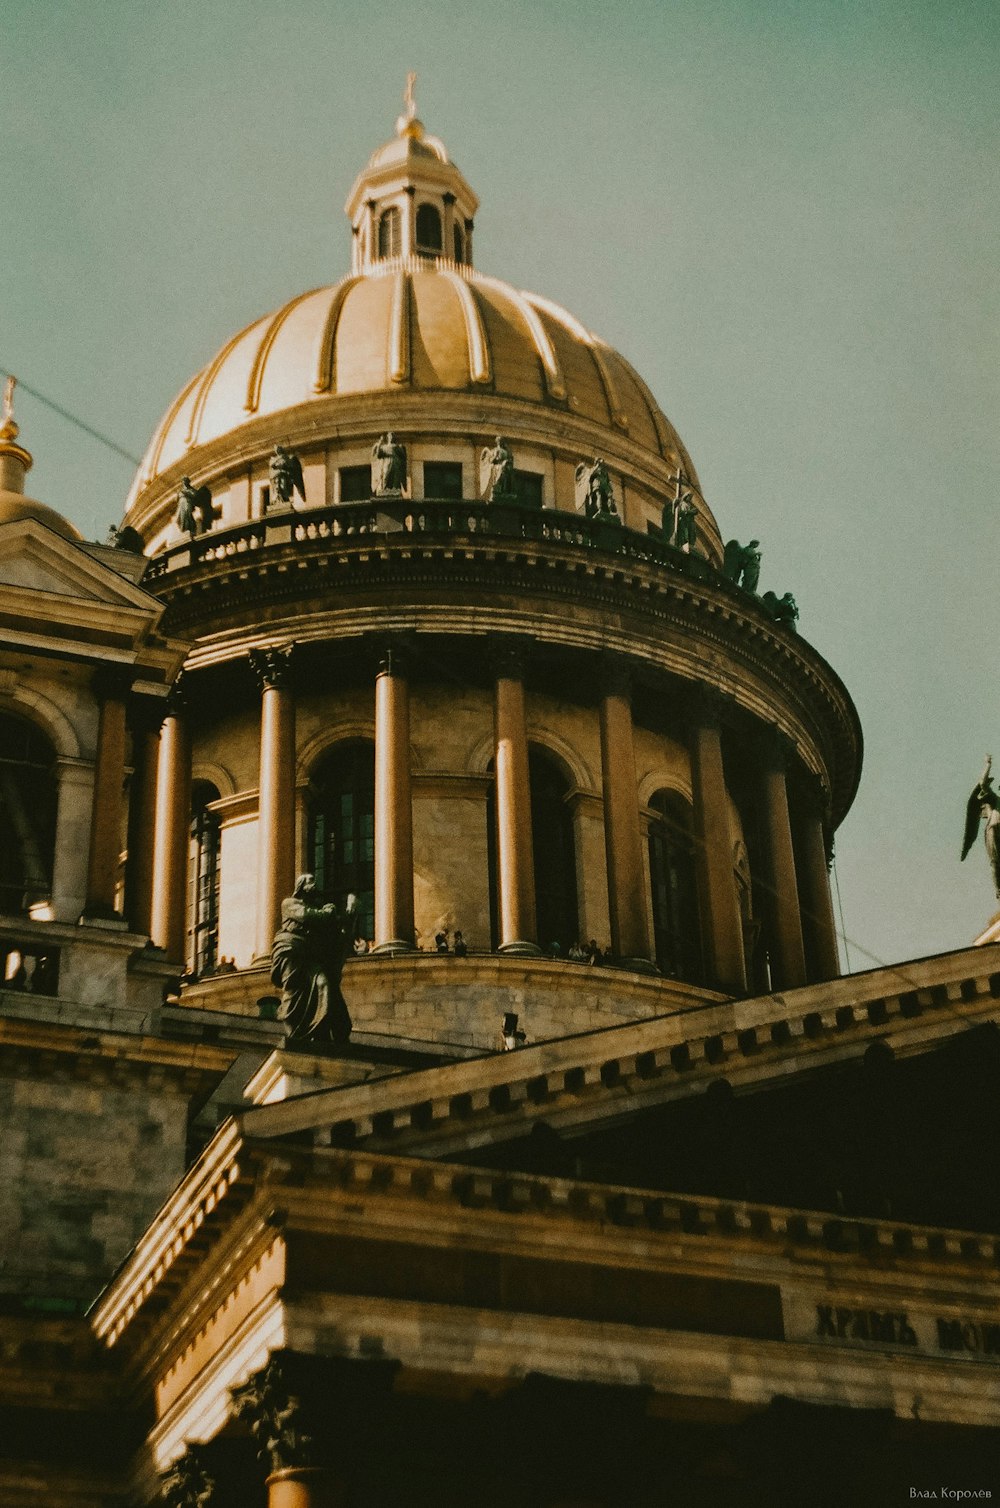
(415, 339)
(410, 326)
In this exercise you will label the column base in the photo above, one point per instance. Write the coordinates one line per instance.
(305, 1487)
(392, 948)
(521, 949)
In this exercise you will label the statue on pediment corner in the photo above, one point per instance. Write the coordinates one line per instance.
(983, 806)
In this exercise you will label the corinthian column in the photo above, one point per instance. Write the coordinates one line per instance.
(393, 808)
(144, 718)
(276, 801)
(109, 782)
(173, 820)
(787, 955)
(622, 833)
(818, 924)
(515, 862)
(722, 929)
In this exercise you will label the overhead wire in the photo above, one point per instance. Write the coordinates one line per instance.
(71, 418)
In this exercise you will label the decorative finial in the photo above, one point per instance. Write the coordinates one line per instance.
(15, 461)
(8, 428)
(408, 124)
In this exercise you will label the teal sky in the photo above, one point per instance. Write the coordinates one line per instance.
(785, 214)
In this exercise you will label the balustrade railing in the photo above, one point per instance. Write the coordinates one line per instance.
(429, 519)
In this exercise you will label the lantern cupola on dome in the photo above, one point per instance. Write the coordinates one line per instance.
(410, 200)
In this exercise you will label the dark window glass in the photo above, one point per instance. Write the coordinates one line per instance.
(459, 245)
(429, 237)
(528, 485)
(27, 814)
(676, 932)
(342, 829)
(443, 479)
(554, 850)
(355, 484)
(390, 239)
(554, 853)
(203, 893)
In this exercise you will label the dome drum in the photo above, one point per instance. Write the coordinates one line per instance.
(589, 730)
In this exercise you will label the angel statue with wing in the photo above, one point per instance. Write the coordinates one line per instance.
(984, 804)
(194, 508)
(496, 472)
(285, 470)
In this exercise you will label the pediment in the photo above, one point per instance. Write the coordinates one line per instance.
(609, 1076)
(34, 559)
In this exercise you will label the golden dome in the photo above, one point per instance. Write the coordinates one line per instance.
(14, 506)
(405, 326)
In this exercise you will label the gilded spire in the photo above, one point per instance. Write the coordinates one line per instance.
(8, 429)
(408, 124)
(15, 461)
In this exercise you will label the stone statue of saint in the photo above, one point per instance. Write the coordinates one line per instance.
(285, 471)
(594, 494)
(307, 959)
(388, 467)
(783, 610)
(741, 563)
(194, 508)
(496, 472)
(983, 805)
(680, 517)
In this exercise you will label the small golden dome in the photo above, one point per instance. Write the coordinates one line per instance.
(15, 463)
(412, 325)
(14, 506)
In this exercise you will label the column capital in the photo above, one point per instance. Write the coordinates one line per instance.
(280, 1421)
(395, 654)
(273, 666)
(187, 1484)
(112, 683)
(813, 792)
(709, 706)
(615, 674)
(777, 750)
(509, 655)
(146, 713)
(176, 702)
(290, 1404)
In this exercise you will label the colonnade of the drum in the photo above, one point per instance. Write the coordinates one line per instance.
(796, 879)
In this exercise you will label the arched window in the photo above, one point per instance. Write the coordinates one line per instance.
(390, 237)
(429, 237)
(676, 929)
(342, 828)
(28, 792)
(459, 244)
(555, 854)
(205, 854)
